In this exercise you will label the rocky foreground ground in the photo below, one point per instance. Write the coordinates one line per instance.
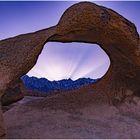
(72, 115)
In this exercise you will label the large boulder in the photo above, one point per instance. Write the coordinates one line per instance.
(82, 22)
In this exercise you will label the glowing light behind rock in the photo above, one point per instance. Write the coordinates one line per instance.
(23, 17)
(71, 60)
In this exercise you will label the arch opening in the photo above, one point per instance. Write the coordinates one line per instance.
(59, 61)
(66, 66)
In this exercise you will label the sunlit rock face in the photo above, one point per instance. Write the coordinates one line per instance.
(72, 60)
(83, 22)
(115, 34)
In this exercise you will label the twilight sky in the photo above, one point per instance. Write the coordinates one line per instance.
(57, 60)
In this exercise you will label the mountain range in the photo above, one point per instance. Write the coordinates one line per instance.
(44, 85)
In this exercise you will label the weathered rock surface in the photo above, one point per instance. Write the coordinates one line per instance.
(13, 94)
(115, 34)
(72, 115)
(82, 22)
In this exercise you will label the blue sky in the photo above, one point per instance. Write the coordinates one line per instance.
(72, 60)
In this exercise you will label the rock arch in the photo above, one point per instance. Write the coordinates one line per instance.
(82, 22)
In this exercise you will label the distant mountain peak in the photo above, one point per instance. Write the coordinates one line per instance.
(44, 85)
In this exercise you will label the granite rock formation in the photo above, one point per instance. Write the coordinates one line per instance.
(82, 22)
(116, 35)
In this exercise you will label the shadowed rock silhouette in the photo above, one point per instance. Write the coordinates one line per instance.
(82, 22)
(13, 94)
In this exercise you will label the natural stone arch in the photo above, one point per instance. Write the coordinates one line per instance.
(115, 34)
(82, 22)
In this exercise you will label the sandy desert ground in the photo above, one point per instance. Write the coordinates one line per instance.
(72, 116)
